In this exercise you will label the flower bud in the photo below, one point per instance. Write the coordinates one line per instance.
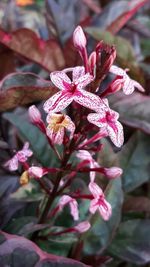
(92, 62)
(79, 38)
(34, 114)
(113, 172)
(36, 172)
(82, 227)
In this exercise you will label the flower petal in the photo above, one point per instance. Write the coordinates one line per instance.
(105, 210)
(84, 80)
(74, 209)
(99, 119)
(93, 206)
(116, 70)
(56, 137)
(95, 190)
(77, 73)
(58, 78)
(88, 100)
(58, 102)
(115, 132)
(70, 126)
(12, 164)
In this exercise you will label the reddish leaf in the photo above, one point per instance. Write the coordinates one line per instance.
(138, 204)
(134, 110)
(117, 24)
(22, 88)
(25, 42)
(18, 251)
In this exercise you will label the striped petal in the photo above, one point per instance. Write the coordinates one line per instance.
(115, 132)
(77, 73)
(58, 102)
(88, 100)
(95, 190)
(58, 78)
(99, 119)
(105, 210)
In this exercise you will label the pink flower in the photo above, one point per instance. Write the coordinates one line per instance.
(71, 90)
(20, 156)
(82, 227)
(128, 84)
(99, 202)
(108, 119)
(113, 172)
(57, 123)
(86, 156)
(64, 200)
(79, 39)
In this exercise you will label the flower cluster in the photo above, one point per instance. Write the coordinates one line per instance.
(88, 113)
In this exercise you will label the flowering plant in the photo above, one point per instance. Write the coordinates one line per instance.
(72, 156)
(71, 126)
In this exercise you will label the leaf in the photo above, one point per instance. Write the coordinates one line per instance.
(23, 88)
(60, 245)
(102, 232)
(137, 204)
(134, 110)
(132, 242)
(8, 207)
(119, 22)
(19, 251)
(135, 161)
(26, 43)
(37, 140)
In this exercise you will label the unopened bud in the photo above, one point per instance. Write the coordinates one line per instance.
(82, 227)
(79, 38)
(113, 172)
(36, 172)
(34, 114)
(92, 62)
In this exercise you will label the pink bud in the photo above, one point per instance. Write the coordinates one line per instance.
(113, 172)
(34, 114)
(79, 38)
(82, 227)
(36, 172)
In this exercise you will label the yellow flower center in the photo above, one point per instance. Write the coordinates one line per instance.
(58, 121)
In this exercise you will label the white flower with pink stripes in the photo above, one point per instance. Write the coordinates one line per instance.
(128, 84)
(108, 119)
(71, 90)
(99, 202)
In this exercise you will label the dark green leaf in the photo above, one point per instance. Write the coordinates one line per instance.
(132, 242)
(135, 161)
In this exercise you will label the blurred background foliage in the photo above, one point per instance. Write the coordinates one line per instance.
(35, 39)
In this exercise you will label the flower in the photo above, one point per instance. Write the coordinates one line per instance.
(64, 200)
(37, 172)
(20, 156)
(99, 202)
(108, 119)
(82, 227)
(57, 123)
(128, 84)
(71, 90)
(86, 156)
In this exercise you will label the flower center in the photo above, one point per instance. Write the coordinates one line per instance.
(58, 121)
